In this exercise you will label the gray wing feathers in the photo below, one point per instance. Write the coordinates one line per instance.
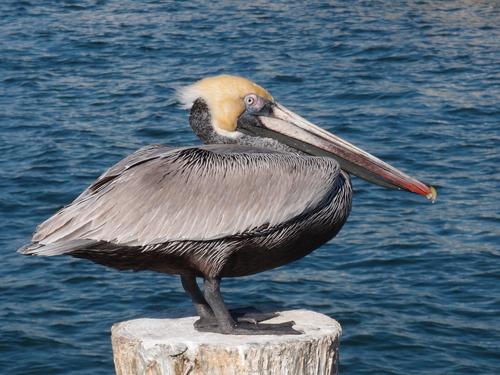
(57, 248)
(140, 156)
(193, 194)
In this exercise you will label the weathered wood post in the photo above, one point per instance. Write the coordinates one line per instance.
(173, 347)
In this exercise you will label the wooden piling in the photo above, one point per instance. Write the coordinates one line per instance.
(173, 347)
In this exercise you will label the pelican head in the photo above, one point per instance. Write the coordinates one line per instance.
(231, 109)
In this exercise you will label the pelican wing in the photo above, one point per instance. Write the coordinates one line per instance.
(195, 193)
(142, 155)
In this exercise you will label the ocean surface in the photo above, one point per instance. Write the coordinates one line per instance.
(415, 285)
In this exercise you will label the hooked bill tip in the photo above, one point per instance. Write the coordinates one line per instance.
(432, 196)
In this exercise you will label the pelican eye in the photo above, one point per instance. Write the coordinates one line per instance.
(253, 102)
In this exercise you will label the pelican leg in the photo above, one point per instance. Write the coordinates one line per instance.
(224, 323)
(207, 317)
(202, 308)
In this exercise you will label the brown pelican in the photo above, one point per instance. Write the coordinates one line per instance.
(268, 188)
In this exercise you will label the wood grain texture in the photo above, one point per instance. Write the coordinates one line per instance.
(173, 347)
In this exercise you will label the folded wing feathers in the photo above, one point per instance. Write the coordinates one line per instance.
(188, 194)
(58, 248)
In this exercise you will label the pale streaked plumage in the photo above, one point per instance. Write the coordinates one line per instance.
(199, 194)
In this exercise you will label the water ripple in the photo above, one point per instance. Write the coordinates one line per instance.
(414, 285)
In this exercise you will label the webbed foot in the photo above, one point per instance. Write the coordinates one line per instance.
(237, 322)
(251, 315)
(246, 328)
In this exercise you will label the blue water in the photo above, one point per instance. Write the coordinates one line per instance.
(414, 285)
